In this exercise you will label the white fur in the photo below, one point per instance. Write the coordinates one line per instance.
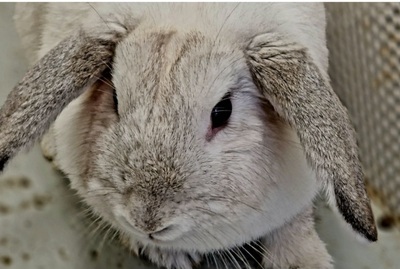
(293, 184)
(302, 22)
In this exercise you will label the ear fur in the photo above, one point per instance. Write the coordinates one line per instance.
(58, 78)
(289, 79)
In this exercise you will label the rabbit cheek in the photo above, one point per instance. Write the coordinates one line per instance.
(78, 131)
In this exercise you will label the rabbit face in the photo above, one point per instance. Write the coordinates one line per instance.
(149, 155)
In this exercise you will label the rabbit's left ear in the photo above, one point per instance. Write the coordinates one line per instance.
(288, 78)
(58, 78)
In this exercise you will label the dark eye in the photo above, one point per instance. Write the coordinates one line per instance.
(115, 100)
(221, 112)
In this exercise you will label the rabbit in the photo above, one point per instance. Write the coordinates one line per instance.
(191, 128)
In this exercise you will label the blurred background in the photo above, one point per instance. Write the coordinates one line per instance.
(364, 45)
(41, 221)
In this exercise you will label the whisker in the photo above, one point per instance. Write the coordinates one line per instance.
(88, 236)
(229, 199)
(227, 221)
(217, 36)
(225, 21)
(105, 236)
(232, 258)
(223, 70)
(238, 251)
(264, 251)
(92, 232)
(207, 261)
(223, 259)
(116, 233)
(215, 260)
(99, 16)
(105, 81)
(251, 255)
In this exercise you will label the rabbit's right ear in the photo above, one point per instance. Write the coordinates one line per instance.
(287, 76)
(58, 78)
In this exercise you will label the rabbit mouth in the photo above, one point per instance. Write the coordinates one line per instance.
(166, 234)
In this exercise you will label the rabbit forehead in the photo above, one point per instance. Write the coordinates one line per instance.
(165, 65)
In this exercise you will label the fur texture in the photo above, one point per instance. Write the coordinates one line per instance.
(284, 71)
(151, 166)
(51, 84)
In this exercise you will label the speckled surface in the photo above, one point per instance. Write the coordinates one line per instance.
(41, 224)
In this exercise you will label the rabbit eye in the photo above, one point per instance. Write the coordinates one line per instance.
(115, 100)
(221, 112)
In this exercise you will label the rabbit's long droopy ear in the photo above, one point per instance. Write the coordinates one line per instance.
(289, 79)
(58, 78)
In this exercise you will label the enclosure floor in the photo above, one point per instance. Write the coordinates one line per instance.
(41, 227)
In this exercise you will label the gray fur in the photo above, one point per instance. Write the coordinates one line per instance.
(153, 165)
(49, 86)
(297, 245)
(296, 89)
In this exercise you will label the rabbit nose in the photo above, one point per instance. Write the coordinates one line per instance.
(167, 233)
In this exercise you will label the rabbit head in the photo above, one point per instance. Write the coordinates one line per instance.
(187, 142)
(180, 144)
